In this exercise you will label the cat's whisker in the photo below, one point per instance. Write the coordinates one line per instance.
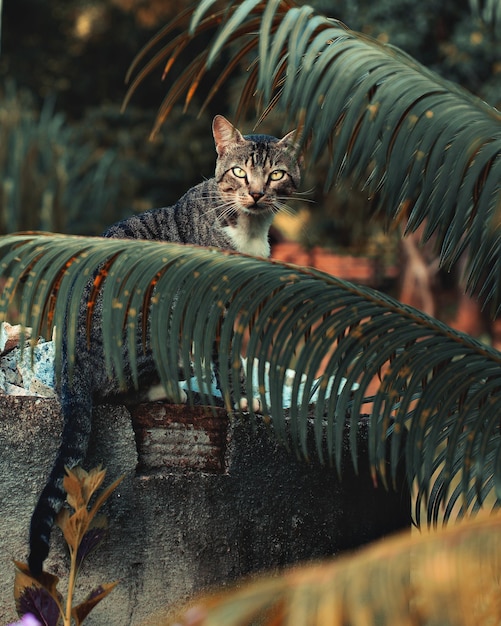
(307, 192)
(222, 206)
(228, 213)
(281, 207)
(227, 207)
(223, 209)
(215, 197)
(295, 198)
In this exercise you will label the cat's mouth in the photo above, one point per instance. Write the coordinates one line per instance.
(257, 207)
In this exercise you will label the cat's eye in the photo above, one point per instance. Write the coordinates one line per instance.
(277, 175)
(239, 172)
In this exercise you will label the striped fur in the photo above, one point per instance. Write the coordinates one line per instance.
(233, 211)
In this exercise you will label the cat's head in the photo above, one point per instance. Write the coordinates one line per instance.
(254, 172)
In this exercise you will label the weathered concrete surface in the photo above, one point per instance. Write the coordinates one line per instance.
(177, 529)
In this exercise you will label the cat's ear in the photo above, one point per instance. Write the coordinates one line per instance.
(291, 139)
(225, 134)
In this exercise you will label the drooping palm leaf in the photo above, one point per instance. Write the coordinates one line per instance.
(425, 149)
(440, 386)
(451, 577)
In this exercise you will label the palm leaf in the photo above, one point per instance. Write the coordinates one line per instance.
(447, 577)
(425, 149)
(440, 387)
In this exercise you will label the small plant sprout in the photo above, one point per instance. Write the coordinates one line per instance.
(83, 531)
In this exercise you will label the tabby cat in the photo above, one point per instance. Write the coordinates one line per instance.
(233, 210)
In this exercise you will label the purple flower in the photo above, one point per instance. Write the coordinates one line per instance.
(27, 620)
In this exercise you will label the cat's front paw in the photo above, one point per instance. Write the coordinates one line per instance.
(243, 405)
(158, 393)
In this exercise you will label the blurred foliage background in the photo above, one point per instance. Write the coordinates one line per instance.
(71, 161)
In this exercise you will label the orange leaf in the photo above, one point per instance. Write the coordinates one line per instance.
(80, 612)
(37, 596)
(72, 484)
(92, 481)
(75, 528)
(24, 579)
(101, 499)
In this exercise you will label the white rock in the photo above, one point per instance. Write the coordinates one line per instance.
(37, 388)
(15, 390)
(10, 335)
(39, 366)
(8, 365)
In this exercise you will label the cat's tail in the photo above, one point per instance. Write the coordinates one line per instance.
(77, 413)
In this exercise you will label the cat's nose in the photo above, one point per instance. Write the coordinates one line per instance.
(256, 195)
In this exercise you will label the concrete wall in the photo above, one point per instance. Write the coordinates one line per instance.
(208, 500)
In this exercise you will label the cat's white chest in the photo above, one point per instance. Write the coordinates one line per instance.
(250, 237)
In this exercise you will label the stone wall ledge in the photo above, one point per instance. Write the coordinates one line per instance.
(210, 498)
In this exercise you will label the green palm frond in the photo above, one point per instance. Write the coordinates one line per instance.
(424, 149)
(440, 387)
(451, 577)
